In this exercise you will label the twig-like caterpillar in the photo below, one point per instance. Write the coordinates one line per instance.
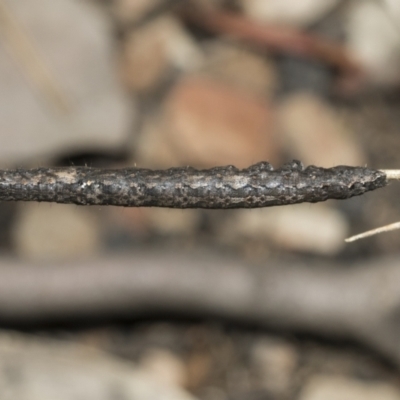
(223, 187)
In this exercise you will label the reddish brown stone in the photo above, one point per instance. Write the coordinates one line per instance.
(207, 123)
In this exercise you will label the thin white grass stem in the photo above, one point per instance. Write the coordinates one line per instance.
(392, 173)
(386, 228)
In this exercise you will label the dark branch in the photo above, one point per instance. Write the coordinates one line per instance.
(222, 187)
(346, 301)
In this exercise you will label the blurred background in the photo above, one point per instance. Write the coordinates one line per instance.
(166, 83)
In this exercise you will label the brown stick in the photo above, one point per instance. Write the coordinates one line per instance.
(275, 38)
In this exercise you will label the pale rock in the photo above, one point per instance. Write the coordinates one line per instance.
(144, 62)
(373, 37)
(393, 9)
(288, 12)
(315, 134)
(34, 368)
(173, 222)
(164, 366)
(275, 362)
(154, 148)
(154, 50)
(132, 221)
(241, 67)
(198, 369)
(210, 4)
(144, 221)
(128, 11)
(206, 123)
(80, 105)
(214, 393)
(315, 228)
(55, 231)
(327, 387)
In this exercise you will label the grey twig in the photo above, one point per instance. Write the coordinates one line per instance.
(223, 187)
(353, 301)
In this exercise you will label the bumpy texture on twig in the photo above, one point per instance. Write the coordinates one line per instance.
(222, 187)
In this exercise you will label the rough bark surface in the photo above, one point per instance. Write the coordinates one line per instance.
(223, 187)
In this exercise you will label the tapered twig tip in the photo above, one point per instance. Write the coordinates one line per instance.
(391, 174)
